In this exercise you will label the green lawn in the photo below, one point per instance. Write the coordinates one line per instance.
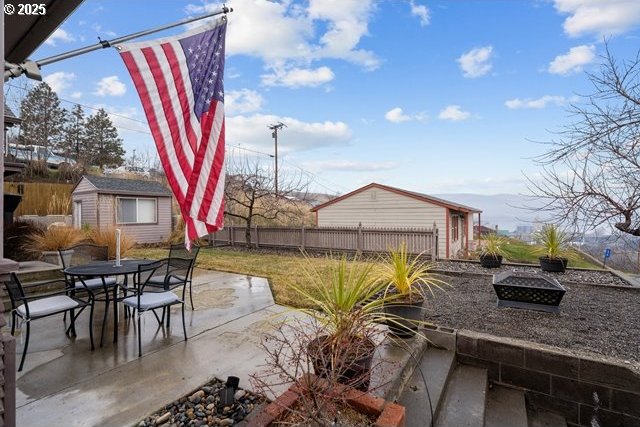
(286, 269)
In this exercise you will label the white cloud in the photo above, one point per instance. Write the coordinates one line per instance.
(251, 132)
(348, 166)
(421, 12)
(59, 80)
(602, 17)
(454, 113)
(396, 116)
(242, 101)
(573, 61)
(298, 77)
(59, 35)
(76, 95)
(538, 103)
(110, 86)
(476, 62)
(280, 32)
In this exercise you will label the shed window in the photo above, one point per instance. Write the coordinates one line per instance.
(136, 210)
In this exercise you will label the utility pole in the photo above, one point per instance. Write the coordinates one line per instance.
(274, 134)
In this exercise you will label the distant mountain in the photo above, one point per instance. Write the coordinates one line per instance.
(507, 211)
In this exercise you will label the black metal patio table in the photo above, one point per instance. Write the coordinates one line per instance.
(103, 269)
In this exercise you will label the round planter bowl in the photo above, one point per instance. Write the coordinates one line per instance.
(406, 317)
(553, 265)
(355, 373)
(491, 261)
(51, 257)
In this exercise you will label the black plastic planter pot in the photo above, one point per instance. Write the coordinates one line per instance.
(491, 261)
(553, 265)
(354, 358)
(406, 317)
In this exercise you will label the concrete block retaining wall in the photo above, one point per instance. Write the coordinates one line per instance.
(578, 387)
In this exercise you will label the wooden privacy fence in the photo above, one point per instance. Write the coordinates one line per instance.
(352, 239)
(41, 198)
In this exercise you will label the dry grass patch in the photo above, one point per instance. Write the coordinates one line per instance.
(283, 271)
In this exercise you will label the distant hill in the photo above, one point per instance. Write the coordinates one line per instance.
(504, 210)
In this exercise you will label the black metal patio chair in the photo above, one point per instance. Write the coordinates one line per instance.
(30, 308)
(152, 297)
(99, 287)
(86, 253)
(179, 251)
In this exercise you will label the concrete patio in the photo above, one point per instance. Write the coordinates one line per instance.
(65, 383)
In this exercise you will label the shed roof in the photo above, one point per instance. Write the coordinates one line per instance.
(126, 186)
(10, 117)
(412, 194)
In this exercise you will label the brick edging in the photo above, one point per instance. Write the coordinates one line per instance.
(388, 414)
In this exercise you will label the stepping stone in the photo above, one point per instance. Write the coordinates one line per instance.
(505, 408)
(436, 366)
(542, 418)
(465, 398)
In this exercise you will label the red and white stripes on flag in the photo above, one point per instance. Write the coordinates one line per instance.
(180, 83)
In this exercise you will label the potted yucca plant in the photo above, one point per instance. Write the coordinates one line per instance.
(344, 305)
(492, 250)
(554, 249)
(51, 240)
(407, 280)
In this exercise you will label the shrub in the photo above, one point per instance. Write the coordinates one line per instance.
(108, 238)
(16, 243)
(70, 173)
(54, 238)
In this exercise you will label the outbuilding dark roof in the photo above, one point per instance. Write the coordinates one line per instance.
(127, 186)
(10, 117)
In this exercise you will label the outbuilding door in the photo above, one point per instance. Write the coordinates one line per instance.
(77, 214)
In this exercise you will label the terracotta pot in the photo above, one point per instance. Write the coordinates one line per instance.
(407, 316)
(356, 368)
(384, 413)
(553, 265)
(491, 261)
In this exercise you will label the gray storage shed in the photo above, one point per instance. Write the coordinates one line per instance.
(141, 208)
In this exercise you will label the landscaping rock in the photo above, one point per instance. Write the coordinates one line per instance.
(202, 408)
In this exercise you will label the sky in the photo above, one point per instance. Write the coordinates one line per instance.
(430, 96)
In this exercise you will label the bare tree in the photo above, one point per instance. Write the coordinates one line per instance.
(250, 194)
(591, 173)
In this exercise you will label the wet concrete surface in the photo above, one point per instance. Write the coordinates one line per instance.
(64, 383)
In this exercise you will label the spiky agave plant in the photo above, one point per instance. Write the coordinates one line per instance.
(493, 245)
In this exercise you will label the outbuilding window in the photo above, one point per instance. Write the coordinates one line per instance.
(136, 210)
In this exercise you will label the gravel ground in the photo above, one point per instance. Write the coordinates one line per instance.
(597, 319)
(570, 276)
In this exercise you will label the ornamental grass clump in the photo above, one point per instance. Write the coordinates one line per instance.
(54, 238)
(554, 242)
(493, 245)
(108, 238)
(343, 296)
(407, 277)
(347, 312)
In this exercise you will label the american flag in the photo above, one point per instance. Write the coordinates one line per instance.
(180, 83)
